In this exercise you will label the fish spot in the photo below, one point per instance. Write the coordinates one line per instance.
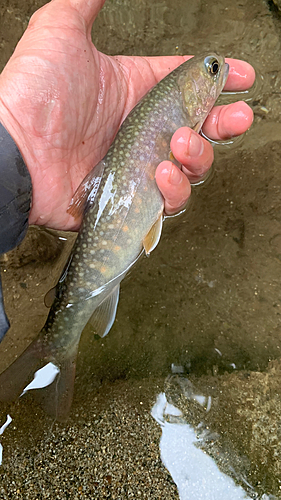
(116, 248)
(125, 229)
(103, 269)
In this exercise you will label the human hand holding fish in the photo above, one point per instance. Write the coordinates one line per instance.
(63, 102)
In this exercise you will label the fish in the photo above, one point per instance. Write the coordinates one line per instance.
(122, 211)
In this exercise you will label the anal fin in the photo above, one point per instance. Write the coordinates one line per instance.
(103, 317)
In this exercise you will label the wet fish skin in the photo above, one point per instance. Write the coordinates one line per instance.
(123, 203)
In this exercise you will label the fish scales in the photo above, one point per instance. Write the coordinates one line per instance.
(123, 204)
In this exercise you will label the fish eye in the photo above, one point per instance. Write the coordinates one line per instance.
(212, 65)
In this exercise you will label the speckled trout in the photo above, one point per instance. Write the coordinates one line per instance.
(123, 213)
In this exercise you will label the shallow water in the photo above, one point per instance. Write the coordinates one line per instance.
(205, 305)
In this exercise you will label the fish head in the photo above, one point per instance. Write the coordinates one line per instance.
(201, 82)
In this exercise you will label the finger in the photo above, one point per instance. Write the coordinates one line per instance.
(193, 151)
(173, 185)
(228, 121)
(241, 75)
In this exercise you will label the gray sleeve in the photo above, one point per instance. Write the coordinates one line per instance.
(15, 193)
(15, 203)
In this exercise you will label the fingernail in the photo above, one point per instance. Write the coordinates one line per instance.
(175, 176)
(196, 145)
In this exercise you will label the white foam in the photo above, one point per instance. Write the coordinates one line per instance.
(194, 472)
(42, 378)
(8, 421)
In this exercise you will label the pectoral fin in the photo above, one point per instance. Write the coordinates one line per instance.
(85, 193)
(153, 236)
(103, 317)
(197, 127)
(50, 297)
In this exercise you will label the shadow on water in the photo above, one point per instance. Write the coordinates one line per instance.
(204, 308)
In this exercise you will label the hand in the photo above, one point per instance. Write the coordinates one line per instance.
(63, 102)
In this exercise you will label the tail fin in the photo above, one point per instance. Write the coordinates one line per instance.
(14, 379)
(55, 398)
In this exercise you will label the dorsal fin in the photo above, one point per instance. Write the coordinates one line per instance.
(85, 193)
